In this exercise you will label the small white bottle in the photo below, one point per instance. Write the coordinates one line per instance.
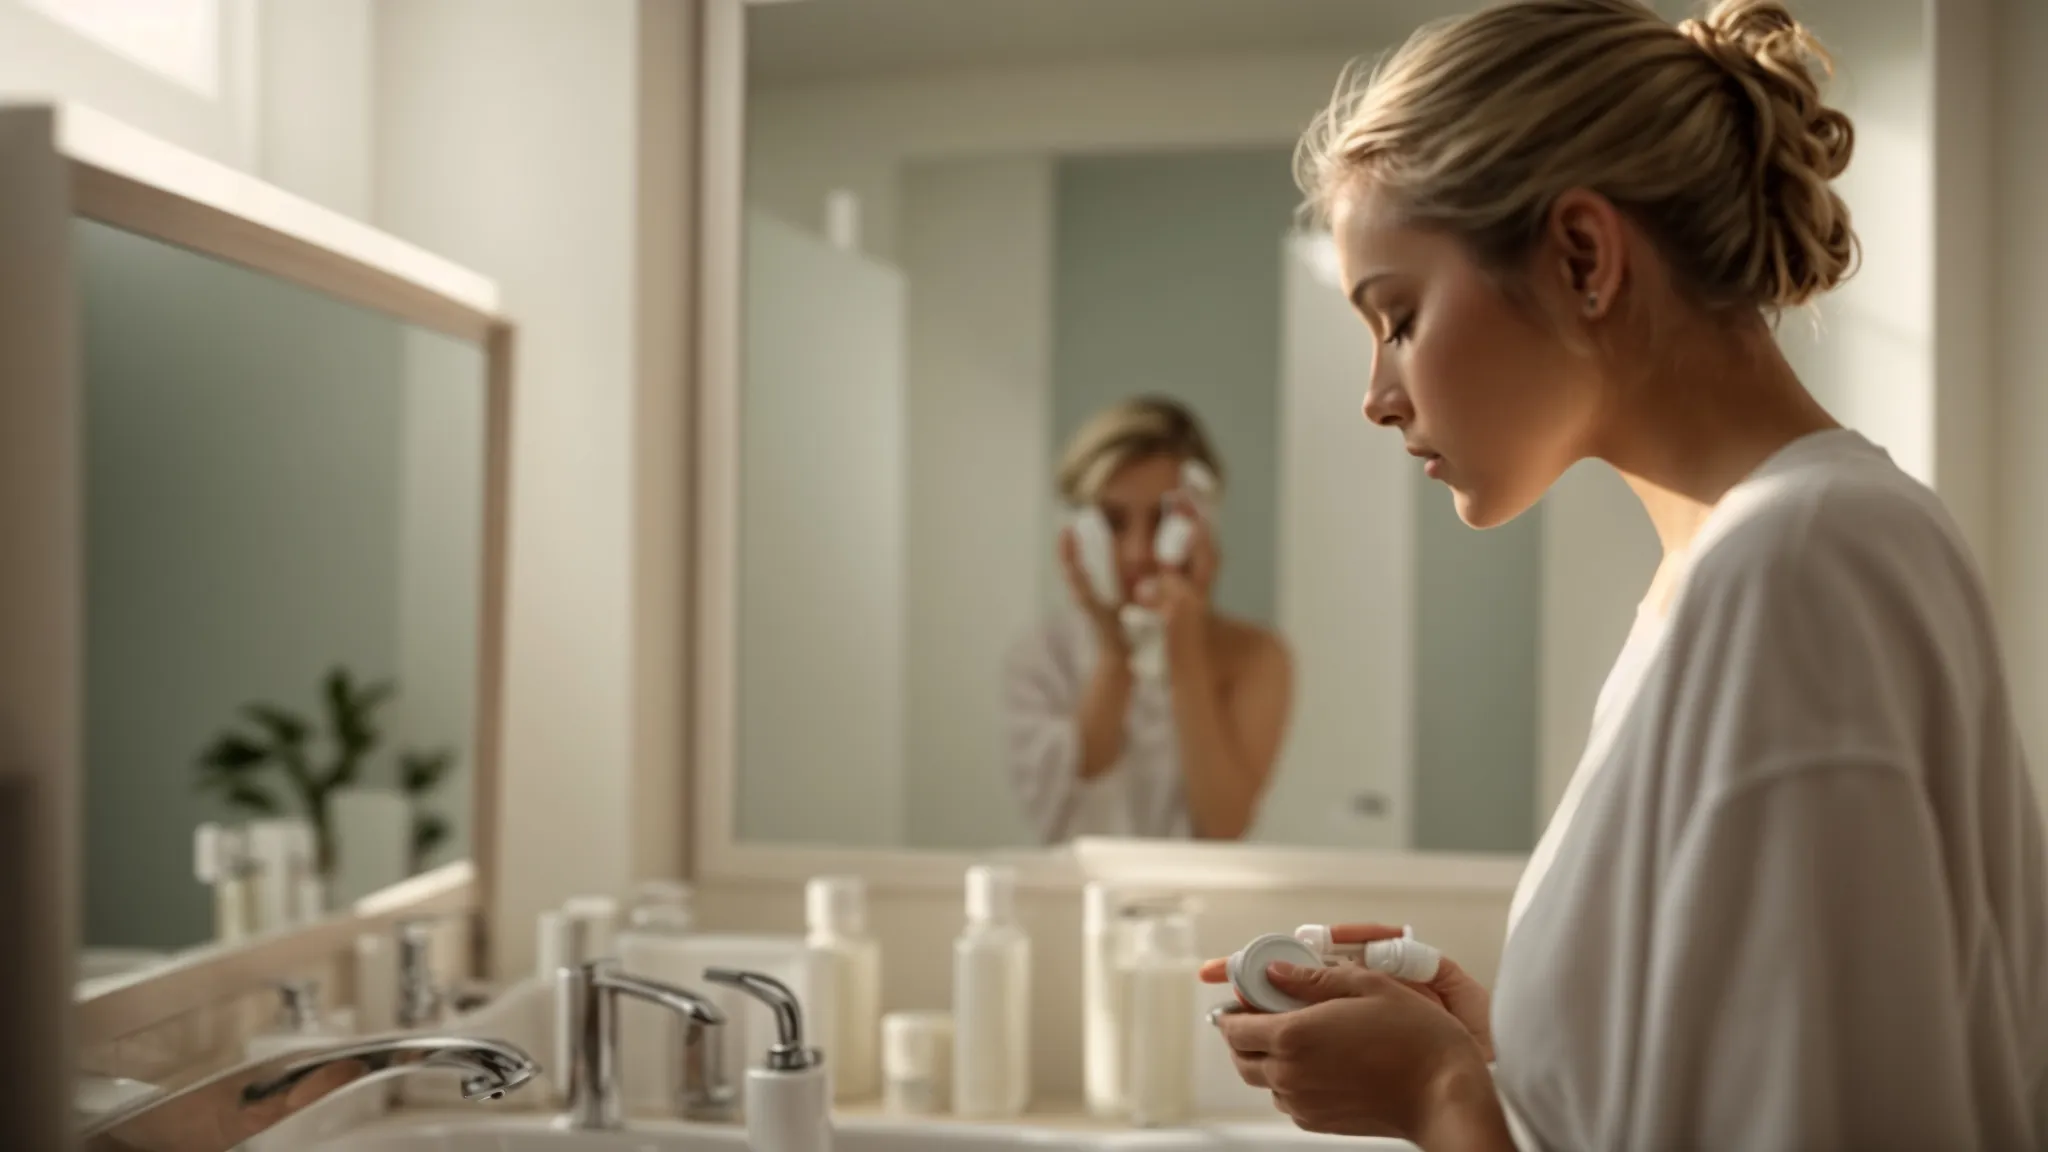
(221, 860)
(991, 1001)
(1403, 957)
(1160, 983)
(274, 890)
(376, 973)
(836, 922)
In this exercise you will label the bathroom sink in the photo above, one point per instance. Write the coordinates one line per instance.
(469, 1132)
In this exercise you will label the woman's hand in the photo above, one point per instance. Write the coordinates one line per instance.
(1454, 989)
(1109, 632)
(1369, 1056)
(1181, 595)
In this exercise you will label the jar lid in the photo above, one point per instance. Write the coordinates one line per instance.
(1247, 969)
(916, 1045)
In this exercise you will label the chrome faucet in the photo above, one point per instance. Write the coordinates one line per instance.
(587, 1000)
(219, 1113)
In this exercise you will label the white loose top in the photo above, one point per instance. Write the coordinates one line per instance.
(1794, 895)
(1141, 795)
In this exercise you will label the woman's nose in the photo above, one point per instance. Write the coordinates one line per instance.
(1385, 403)
(1135, 548)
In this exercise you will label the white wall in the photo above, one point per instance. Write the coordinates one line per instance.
(1871, 357)
(42, 56)
(314, 122)
(822, 551)
(506, 141)
(975, 243)
(803, 141)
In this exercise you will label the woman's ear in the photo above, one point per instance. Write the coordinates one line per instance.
(1586, 232)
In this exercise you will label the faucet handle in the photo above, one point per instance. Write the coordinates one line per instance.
(419, 998)
(299, 1003)
(789, 1053)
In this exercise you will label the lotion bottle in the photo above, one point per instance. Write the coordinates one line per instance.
(836, 916)
(1160, 981)
(991, 1000)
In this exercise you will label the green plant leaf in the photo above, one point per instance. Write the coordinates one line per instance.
(420, 772)
(246, 795)
(429, 831)
(293, 760)
(284, 727)
(350, 710)
(234, 753)
(337, 688)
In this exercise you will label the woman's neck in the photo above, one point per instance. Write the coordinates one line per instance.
(1721, 403)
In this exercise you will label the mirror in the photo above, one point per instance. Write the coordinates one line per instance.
(284, 553)
(981, 239)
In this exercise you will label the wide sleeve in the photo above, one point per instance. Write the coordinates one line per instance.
(1803, 986)
(1042, 739)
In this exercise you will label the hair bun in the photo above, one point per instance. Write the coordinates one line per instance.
(1805, 243)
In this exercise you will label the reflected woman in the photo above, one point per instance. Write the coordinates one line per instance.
(1094, 748)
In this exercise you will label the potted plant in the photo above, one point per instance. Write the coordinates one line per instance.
(277, 747)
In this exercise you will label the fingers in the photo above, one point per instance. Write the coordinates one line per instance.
(1216, 972)
(1250, 1069)
(1161, 592)
(1250, 1033)
(1078, 584)
(1316, 985)
(1363, 933)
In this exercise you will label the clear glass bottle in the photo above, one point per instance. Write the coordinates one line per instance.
(658, 920)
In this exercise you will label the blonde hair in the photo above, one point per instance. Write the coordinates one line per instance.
(1711, 136)
(1134, 429)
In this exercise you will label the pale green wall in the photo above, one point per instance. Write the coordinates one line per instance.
(1166, 279)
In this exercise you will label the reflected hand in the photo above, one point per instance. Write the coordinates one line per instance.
(1454, 989)
(1369, 1056)
(1181, 595)
(1109, 633)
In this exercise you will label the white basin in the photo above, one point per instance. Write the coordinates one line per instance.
(477, 1131)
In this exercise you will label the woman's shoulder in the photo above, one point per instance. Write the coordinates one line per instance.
(1250, 648)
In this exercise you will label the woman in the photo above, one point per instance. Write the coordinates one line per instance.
(1095, 749)
(1794, 895)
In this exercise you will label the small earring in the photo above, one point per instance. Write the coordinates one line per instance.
(1592, 302)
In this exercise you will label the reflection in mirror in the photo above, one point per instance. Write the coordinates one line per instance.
(284, 525)
(1006, 280)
